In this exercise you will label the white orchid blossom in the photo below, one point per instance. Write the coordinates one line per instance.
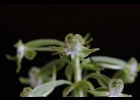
(114, 89)
(74, 47)
(23, 51)
(20, 50)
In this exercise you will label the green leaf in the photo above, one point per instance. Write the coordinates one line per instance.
(99, 93)
(68, 89)
(43, 42)
(85, 93)
(126, 95)
(109, 60)
(12, 58)
(69, 71)
(83, 86)
(109, 66)
(102, 89)
(47, 93)
(48, 86)
(24, 80)
(88, 66)
(87, 85)
(102, 79)
(102, 83)
(53, 78)
(30, 54)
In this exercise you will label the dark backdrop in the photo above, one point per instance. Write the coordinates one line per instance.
(115, 29)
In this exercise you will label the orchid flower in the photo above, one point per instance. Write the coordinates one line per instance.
(74, 47)
(22, 51)
(114, 89)
(129, 72)
(28, 49)
(35, 78)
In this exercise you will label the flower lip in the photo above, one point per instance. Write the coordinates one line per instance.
(115, 88)
(20, 50)
(133, 65)
(73, 49)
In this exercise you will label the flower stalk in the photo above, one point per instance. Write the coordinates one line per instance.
(78, 75)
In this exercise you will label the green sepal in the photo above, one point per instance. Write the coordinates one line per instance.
(30, 54)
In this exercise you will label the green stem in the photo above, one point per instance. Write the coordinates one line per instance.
(78, 76)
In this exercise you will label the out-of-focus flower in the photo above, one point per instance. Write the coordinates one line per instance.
(27, 92)
(114, 89)
(129, 72)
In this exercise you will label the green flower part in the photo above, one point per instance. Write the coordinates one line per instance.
(41, 75)
(132, 66)
(43, 90)
(114, 89)
(74, 47)
(129, 72)
(23, 51)
(35, 78)
(27, 92)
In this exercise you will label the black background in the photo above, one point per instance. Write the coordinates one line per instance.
(115, 29)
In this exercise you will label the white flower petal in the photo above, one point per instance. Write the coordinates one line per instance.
(73, 49)
(32, 80)
(68, 53)
(120, 95)
(72, 55)
(113, 96)
(20, 50)
(39, 82)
